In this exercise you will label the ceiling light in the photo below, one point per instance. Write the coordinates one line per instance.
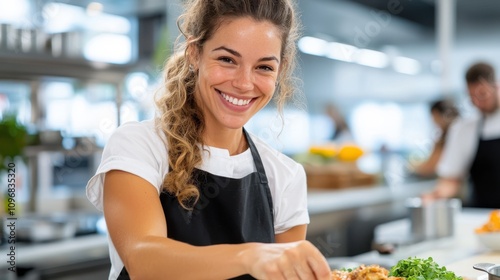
(341, 51)
(94, 8)
(406, 65)
(371, 58)
(13, 11)
(312, 46)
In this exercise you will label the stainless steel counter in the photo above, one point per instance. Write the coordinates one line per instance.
(458, 252)
(324, 201)
(343, 221)
(73, 258)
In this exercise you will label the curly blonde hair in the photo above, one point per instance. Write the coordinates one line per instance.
(180, 118)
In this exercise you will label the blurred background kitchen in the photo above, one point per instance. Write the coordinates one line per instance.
(72, 71)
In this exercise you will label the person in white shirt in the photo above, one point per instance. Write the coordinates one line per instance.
(191, 194)
(444, 113)
(472, 150)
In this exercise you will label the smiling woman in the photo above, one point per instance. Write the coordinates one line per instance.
(193, 195)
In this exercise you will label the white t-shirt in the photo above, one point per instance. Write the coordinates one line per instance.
(136, 147)
(461, 144)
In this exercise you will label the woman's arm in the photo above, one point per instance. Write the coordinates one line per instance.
(294, 234)
(137, 227)
(445, 188)
(428, 168)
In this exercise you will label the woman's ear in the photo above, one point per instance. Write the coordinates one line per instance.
(193, 56)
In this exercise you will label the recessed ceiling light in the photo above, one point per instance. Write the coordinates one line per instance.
(94, 8)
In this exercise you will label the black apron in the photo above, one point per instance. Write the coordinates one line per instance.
(229, 211)
(485, 173)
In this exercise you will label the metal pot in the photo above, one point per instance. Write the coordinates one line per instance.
(434, 219)
(493, 270)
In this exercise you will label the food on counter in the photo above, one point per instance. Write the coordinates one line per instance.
(331, 152)
(371, 272)
(420, 269)
(326, 151)
(407, 269)
(492, 225)
(350, 153)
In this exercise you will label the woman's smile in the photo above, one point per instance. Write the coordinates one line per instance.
(235, 101)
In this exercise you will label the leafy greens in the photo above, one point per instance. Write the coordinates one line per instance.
(421, 269)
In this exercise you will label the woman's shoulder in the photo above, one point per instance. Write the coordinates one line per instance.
(466, 124)
(138, 136)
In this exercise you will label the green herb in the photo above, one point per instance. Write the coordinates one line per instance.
(421, 269)
(13, 138)
(347, 269)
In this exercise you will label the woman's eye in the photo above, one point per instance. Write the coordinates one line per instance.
(226, 59)
(266, 68)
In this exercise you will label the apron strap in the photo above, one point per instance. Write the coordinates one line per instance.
(256, 157)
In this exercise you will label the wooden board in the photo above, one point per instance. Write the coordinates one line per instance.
(337, 176)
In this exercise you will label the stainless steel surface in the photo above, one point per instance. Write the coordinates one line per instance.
(3, 36)
(493, 270)
(342, 222)
(42, 228)
(435, 219)
(458, 252)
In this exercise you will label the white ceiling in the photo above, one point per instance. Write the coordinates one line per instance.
(341, 19)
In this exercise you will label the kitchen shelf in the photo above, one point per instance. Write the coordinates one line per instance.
(35, 67)
(31, 151)
(29, 66)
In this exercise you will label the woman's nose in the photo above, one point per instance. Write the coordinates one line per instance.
(243, 79)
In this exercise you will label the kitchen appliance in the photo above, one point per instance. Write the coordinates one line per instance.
(45, 228)
(493, 270)
(3, 36)
(56, 226)
(432, 219)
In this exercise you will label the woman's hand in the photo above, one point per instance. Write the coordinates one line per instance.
(290, 261)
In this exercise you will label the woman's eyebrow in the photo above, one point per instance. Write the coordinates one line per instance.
(237, 54)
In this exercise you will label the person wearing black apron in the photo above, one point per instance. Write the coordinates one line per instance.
(229, 211)
(479, 163)
(485, 172)
(233, 58)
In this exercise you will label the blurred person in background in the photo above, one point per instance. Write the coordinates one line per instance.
(472, 150)
(443, 113)
(191, 194)
(341, 132)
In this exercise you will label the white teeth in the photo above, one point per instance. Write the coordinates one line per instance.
(235, 101)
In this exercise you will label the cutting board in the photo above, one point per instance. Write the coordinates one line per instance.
(464, 267)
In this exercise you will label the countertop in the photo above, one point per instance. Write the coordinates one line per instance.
(69, 250)
(321, 201)
(458, 252)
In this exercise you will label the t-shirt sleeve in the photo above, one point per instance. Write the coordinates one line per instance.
(292, 201)
(458, 150)
(134, 148)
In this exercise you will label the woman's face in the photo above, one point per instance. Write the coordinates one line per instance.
(440, 120)
(237, 72)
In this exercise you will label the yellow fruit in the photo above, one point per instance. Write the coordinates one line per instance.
(328, 151)
(350, 153)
